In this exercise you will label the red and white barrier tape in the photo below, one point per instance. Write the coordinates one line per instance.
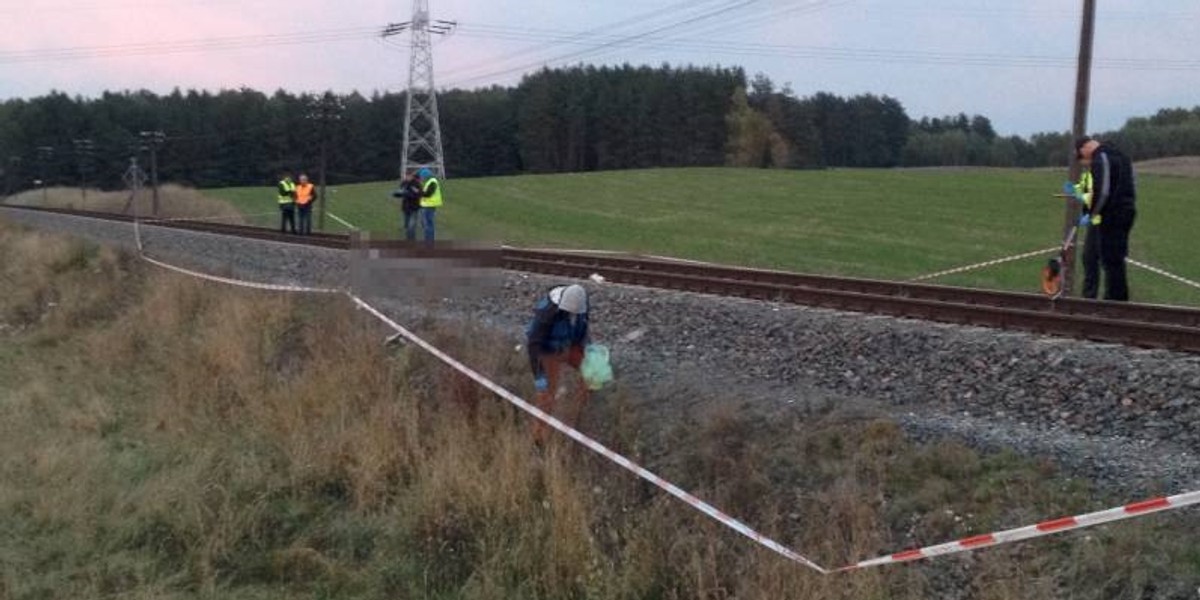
(986, 264)
(515, 400)
(1163, 273)
(1044, 528)
(593, 445)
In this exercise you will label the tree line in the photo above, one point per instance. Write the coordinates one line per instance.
(570, 119)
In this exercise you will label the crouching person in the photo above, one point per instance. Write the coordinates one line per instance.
(555, 339)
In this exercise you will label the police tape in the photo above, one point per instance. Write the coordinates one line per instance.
(986, 264)
(700, 505)
(1041, 529)
(618, 459)
(344, 222)
(1159, 271)
(274, 287)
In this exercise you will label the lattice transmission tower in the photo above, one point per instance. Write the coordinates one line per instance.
(422, 145)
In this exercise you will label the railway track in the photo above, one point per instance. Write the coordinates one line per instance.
(1143, 325)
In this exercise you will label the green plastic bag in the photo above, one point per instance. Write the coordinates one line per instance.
(595, 369)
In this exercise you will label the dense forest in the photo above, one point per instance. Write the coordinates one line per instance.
(574, 119)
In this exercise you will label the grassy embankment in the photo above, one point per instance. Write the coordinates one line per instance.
(166, 438)
(893, 224)
(174, 202)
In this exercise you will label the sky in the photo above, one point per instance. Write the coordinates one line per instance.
(1012, 61)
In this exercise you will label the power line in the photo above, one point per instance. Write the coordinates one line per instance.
(716, 12)
(638, 19)
(192, 45)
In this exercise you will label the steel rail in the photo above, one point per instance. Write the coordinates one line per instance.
(949, 305)
(1126, 311)
(1144, 325)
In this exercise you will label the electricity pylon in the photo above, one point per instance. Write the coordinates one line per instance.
(422, 145)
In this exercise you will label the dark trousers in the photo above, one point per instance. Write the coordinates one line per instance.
(287, 217)
(305, 213)
(1091, 263)
(1114, 247)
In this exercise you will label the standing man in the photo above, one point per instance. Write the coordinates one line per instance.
(1082, 192)
(1112, 211)
(410, 198)
(304, 198)
(286, 190)
(431, 199)
(555, 338)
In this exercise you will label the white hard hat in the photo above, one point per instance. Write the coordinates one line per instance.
(571, 298)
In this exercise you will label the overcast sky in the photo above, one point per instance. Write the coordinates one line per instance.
(1011, 60)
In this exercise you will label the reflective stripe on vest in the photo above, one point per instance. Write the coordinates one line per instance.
(435, 200)
(286, 185)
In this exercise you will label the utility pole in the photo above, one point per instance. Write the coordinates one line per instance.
(83, 154)
(134, 178)
(325, 111)
(422, 146)
(152, 140)
(45, 153)
(1083, 77)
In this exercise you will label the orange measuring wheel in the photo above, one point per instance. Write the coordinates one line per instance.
(1052, 278)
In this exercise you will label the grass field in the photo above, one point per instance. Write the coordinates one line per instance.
(893, 224)
(161, 437)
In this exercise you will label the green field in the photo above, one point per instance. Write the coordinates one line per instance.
(892, 224)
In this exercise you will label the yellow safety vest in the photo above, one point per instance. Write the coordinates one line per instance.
(435, 200)
(1083, 189)
(287, 186)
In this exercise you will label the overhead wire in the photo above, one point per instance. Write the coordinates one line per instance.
(192, 45)
(715, 12)
(678, 35)
(637, 19)
(850, 53)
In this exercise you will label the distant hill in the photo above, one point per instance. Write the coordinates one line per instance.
(1179, 166)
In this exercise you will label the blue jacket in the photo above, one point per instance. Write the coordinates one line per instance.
(552, 330)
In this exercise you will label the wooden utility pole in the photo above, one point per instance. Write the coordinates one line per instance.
(45, 153)
(325, 110)
(84, 148)
(1083, 78)
(151, 140)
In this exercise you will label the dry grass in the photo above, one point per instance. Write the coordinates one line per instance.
(1177, 166)
(189, 440)
(175, 201)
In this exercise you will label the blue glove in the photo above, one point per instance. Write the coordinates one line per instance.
(1084, 220)
(1069, 189)
(541, 384)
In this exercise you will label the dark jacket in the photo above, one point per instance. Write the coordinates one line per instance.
(552, 330)
(1114, 188)
(410, 194)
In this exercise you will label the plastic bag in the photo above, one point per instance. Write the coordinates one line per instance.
(596, 369)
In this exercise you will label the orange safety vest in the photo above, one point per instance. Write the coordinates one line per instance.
(304, 193)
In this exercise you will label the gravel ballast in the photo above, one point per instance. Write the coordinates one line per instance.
(1124, 417)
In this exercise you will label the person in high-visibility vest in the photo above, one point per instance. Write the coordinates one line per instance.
(286, 196)
(304, 199)
(1110, 211)
(1091, 240)
(431, 199)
